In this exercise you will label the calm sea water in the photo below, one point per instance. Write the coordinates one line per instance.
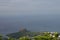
(32, 23)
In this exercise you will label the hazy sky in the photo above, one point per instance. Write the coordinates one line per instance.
(30, 7)
(26, 7)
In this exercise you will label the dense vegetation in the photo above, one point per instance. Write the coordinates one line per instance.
(27, 35)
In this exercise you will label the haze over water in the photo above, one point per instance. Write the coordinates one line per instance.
(34, 15)
(32, 23)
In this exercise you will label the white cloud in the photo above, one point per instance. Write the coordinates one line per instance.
(27, 6)
(16, 5)
(47, 5)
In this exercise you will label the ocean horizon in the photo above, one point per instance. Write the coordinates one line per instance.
(32, 23)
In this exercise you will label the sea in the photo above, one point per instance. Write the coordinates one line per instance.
(36, 23)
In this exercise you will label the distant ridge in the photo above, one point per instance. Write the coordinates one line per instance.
(22, 32)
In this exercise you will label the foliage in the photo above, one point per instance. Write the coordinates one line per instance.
(36, 36)
(24, 38)
(1, 36)
(11, 38)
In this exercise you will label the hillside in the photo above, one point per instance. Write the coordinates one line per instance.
(21, 33)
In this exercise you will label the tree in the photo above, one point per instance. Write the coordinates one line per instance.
(24, 38)
(1, 37)
(10, 38)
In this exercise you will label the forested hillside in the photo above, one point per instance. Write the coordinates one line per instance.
(24, 34)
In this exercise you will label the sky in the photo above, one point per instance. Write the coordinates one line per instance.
(29, 7)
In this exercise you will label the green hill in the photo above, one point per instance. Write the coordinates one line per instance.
(22, 33)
